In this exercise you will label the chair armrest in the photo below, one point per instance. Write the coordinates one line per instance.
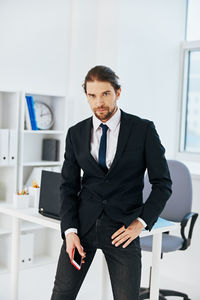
(187, 241)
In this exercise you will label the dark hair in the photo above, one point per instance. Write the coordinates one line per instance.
(102, 73)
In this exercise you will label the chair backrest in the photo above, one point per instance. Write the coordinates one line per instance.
(180, 202)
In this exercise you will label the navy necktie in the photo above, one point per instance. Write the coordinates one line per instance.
(102, 147)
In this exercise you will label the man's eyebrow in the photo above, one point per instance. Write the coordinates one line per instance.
(108, 91)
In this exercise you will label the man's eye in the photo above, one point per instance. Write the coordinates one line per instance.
(106, 93)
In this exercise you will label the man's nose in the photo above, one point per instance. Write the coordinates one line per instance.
(100, 101)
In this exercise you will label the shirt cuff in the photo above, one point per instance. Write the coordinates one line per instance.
(71, 230)
(142, 221)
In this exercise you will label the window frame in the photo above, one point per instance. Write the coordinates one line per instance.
(186, 48)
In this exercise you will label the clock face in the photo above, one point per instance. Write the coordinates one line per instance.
(43, 115)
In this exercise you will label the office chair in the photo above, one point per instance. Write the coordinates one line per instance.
(177, 209)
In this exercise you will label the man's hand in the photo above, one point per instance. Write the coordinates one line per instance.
(128, 234)
(73, 241)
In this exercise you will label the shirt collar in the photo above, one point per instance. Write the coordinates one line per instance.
(111, 123)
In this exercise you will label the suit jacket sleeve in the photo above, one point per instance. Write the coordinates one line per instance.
(159, 177)
(69, 188)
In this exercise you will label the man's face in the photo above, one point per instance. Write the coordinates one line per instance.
(102, 99)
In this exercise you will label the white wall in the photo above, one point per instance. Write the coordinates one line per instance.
(50, 45)
(148, 61)
(34, 45)
(93, 41)
(140, 40)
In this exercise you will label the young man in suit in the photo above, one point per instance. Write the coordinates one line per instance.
(104, 209)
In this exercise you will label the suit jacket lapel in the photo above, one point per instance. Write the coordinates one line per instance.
(124, 131)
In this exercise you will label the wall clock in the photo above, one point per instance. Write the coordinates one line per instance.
(44, 115)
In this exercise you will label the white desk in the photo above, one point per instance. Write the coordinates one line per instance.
(31, 216)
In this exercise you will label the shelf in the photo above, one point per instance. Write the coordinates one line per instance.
(29, 163)
(43, 93)
(44, 132)
(42, 163)
(5, 231)
(26, 226)
(3, 269)
(43, 259)
(4, 203)
(8, 166)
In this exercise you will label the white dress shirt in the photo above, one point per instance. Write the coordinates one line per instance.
(112, 138)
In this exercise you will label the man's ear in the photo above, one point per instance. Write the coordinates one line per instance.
(118, 93)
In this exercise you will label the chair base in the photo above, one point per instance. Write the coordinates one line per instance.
(145, 294)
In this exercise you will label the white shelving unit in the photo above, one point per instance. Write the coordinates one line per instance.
(15, 174)
(9, 122)
(5, 242)
(41, 163)
(32, 139)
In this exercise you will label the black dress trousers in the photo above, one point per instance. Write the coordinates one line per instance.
(124, 264)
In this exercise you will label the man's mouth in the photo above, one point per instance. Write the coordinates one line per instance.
(101, 109)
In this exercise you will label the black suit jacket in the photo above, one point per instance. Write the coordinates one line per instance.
(118, 192)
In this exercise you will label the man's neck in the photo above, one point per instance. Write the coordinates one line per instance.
(104, 121)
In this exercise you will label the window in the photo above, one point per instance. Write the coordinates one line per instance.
(190, 88)
(191, 142)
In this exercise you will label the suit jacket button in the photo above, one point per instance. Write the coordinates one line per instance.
(104, 201)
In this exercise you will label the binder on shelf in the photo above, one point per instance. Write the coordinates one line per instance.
(4, 140)
(27, 117)
(31, 110)
(34, 122)
(12, 147)
(26, 249)
(50, 149)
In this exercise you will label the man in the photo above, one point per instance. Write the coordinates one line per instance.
(105, 208)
